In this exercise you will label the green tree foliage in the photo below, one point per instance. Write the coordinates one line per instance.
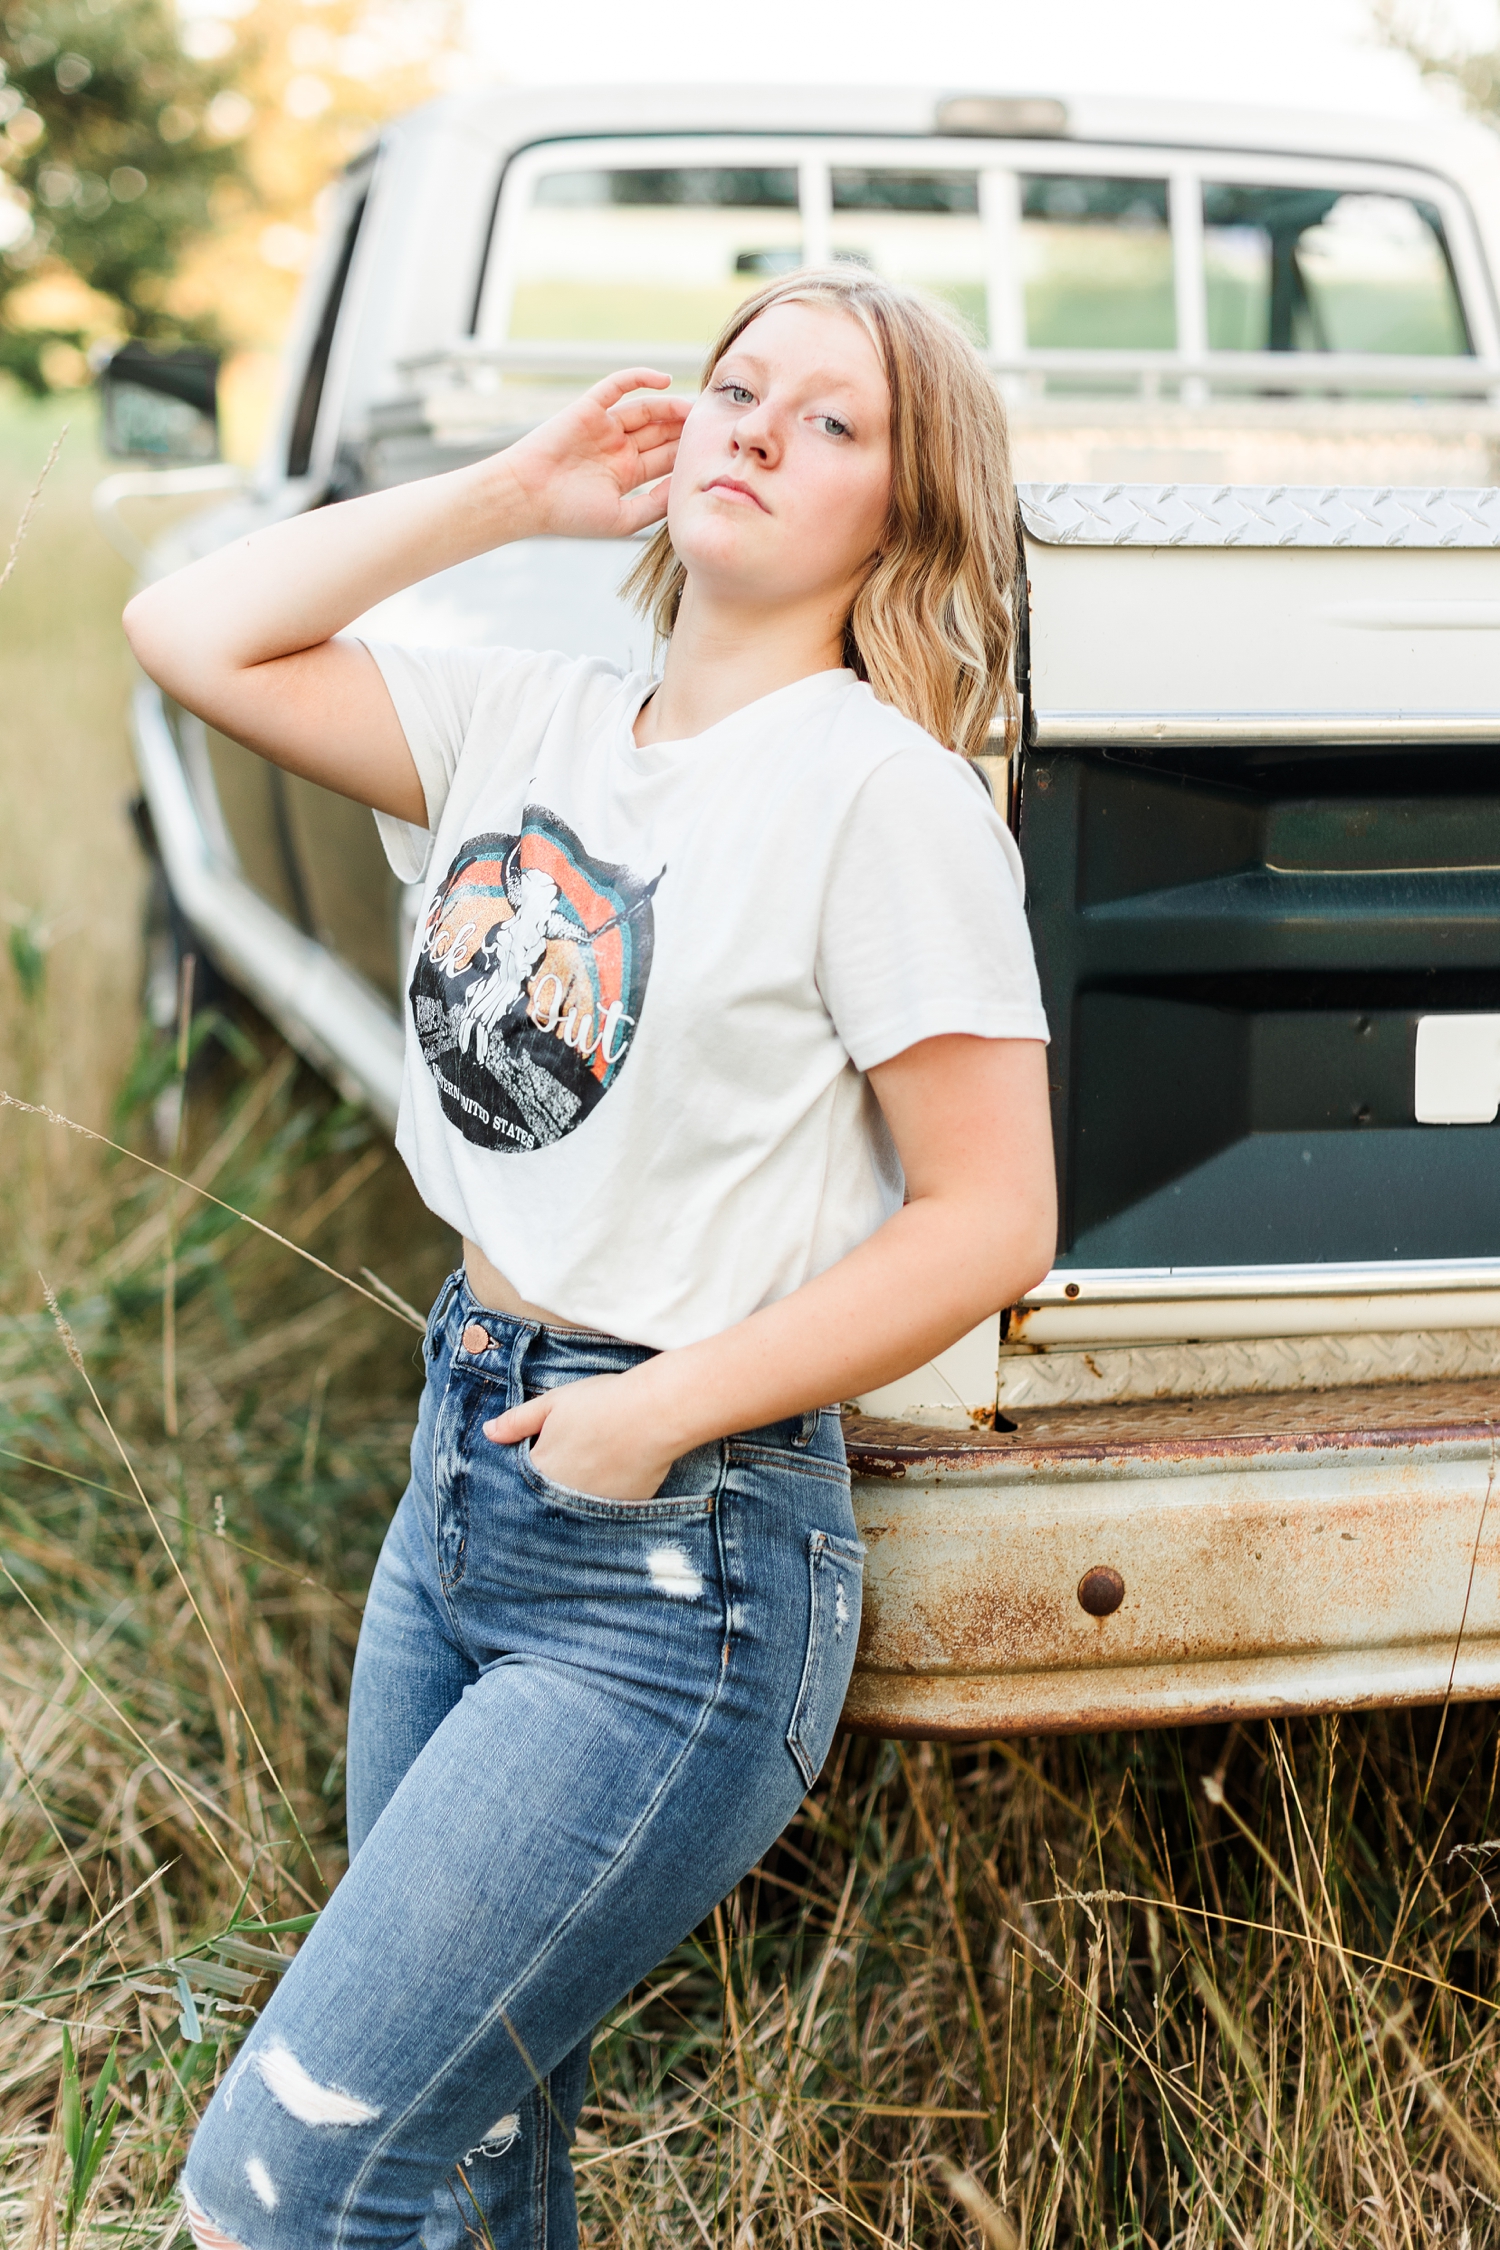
(109, 156)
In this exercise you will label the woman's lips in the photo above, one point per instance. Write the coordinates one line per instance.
(740, 492)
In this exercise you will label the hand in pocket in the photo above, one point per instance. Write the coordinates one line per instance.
(594, 1436)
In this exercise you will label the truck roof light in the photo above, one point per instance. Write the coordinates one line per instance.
(1012, 116)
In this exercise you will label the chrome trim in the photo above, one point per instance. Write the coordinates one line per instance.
(1110, 1285)
(155, 484)
(1087, 1326)
(1390, 373)
(329, 1014)
(1229, 375)
(1102, 730)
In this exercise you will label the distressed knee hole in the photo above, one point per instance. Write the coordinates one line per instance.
(202, 2229)
(501, 2137)
(300, 2095)
(672, 1572)
(262, 2186)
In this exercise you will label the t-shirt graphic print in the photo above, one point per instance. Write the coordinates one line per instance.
(529, 983)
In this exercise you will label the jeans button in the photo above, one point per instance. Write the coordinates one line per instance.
(477, 1339)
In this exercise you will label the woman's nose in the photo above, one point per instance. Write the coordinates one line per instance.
(755, 432)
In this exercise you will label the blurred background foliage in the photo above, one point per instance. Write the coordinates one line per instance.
(1425, 30)
(160, 168)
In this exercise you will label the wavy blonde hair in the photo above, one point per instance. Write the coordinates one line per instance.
(932, 628)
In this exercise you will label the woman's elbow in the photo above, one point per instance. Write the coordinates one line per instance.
(1031, 1244)
(142, 630)
(163, 644)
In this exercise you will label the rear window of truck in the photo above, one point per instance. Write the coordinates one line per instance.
(1049, 255)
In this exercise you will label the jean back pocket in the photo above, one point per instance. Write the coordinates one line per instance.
(835, 1580)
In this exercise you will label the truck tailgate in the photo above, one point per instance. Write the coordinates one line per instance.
(1239, 1557)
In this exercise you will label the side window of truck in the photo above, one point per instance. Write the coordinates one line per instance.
(304, 426)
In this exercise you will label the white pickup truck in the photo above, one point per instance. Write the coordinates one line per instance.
(1237, 1453)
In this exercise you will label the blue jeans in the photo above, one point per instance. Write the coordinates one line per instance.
(574, 1724)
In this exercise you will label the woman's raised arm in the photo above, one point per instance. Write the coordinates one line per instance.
(246, 637)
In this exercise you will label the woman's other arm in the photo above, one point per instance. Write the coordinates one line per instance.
(246, 637)
(970, 1119)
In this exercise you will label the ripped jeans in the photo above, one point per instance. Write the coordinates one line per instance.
(574, 1724)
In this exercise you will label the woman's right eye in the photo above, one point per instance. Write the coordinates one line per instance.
(737, 394)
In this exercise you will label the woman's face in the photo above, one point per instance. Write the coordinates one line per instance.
(782, 482)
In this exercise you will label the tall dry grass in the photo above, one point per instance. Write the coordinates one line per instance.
(1232, 1986)
(70, 878)
(1218, 1986)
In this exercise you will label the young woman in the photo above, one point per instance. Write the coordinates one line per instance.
(725, 1057)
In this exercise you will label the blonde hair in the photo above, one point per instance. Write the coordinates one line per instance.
(932, 627)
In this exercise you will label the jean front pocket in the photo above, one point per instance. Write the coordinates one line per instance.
(691, 1485)
(835, 1581)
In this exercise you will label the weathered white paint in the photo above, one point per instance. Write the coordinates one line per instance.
(947, 1390)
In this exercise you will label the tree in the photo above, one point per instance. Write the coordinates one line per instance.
(113, 144)
(1431, 39)
(313, 81)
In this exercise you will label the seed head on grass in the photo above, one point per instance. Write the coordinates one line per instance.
(32, 503)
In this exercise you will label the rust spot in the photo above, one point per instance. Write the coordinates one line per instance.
(1101, 1590)
(1071, 1290)
(1247, 1426)
(477, 1339)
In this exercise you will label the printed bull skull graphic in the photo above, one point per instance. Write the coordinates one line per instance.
(528, 987)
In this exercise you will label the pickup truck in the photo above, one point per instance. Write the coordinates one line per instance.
(1237, 1454)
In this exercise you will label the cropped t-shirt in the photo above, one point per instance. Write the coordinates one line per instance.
(645, 984)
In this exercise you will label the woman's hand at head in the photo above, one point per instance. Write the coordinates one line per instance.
(597, 1436)
(590, 471)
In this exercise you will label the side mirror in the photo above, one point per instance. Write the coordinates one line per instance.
(161, 405)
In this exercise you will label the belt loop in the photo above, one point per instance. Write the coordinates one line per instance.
(808, 1429)
(527, 1333)
(440, 1305)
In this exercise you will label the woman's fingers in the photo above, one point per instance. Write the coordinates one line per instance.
(643, 506)
(519, 1421)
(651, 414)
(658, 461)
(614, 387)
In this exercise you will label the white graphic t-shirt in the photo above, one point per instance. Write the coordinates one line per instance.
(646, 983)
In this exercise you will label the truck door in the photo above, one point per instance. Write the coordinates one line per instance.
(313, 855)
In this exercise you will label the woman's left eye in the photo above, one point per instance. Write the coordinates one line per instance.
(831, 425)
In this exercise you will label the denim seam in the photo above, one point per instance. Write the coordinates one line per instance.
(503, 2006)
(541, 2165)
(798, 1464)
(444, 1588)
(821, 1545)
(440, 1306)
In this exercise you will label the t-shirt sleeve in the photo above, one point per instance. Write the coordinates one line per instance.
(924, 928)
(434, 691)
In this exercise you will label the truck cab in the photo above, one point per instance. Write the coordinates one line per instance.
(1236, 1453)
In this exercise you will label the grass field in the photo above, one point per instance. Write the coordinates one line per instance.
(1231, 1986)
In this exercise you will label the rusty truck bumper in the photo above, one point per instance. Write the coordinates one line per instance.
(1169, 1563)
